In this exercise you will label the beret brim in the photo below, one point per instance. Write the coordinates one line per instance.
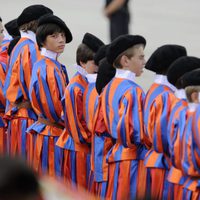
(33, 12)
(181, 66)
(92, 42)
(191, 78)
(121, 44)
(49, 18)
(163, 57)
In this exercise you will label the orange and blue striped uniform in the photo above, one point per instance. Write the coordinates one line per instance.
(3, 69)
(153, 92)
(3, 135)
(99, 144)
(176, 126)
(190, 154)
(90, 102)
(46, 91)
(157, 158)
(76, 138)
(16, 91)
(102, 143)
(159, 86)
(4, 50)
(121, 104)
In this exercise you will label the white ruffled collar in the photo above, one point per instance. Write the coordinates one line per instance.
(7, 36)
(162, 79)
(126, 74)
(29, 34)
(49, 54)
(81, 70)
(180, 93)
(91, 78)
(192, 106)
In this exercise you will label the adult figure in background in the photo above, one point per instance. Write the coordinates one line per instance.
(118, 14)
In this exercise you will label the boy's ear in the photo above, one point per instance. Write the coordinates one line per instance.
(83, 64)
(195, 97)
(124, 61)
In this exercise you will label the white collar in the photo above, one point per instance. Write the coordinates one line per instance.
(162, 79)
(7, 36)
(29, 34)
(126, 74)
(91, 78)
(49, 54)
(81, 70)
(180, 93)
(192, 106)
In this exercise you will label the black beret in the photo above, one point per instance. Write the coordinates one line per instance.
(104, 75)
(12, 44)
(181, 66)
(92, 42)
(31, 13)
(191, 78)
(163, 57)
(121, 44)
(50, 18)
(101, 53)
(12, 28)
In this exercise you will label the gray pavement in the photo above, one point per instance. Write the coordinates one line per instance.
(159, 21)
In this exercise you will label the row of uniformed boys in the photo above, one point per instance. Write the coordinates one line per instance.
(99, 130)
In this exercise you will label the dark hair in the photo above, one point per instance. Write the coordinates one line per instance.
(84, 54)
(30, 26)
(17, 180)
(44, 30)
(0, 19)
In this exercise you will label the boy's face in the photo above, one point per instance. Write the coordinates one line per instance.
(137, 61)
(90, 67)
(55, 42)
(195, 96)
(1, 33)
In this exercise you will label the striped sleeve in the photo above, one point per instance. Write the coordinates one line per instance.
(162, 106)
(130, 124)
(2, 80)
(46, 91)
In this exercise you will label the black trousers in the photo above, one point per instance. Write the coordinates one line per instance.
(119, 25)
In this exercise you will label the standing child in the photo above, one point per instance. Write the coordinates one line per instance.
(177, 122)
(99, 145)
(190, 142)
(16, 90)
(76, 138)
(46, 91)
(159, 62)
(160, 109)
(121, 111)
